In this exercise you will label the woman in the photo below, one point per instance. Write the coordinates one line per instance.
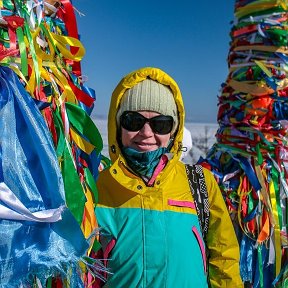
(149, 229)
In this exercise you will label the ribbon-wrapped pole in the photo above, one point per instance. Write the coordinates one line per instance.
(53, 190)
(249, 158)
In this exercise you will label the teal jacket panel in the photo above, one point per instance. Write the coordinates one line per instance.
(152, 248)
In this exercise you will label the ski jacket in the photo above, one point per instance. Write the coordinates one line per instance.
(151, 236)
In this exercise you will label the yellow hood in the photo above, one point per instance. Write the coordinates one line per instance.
(131, 80)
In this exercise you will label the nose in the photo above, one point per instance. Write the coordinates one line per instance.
(146, 130)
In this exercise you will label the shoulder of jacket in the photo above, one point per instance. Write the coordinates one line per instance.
(103, 176)
(208, 174)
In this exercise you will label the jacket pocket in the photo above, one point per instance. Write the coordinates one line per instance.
(202, 247)
(180, 203)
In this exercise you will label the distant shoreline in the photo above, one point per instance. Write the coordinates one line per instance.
(189, 121)
(197, 130)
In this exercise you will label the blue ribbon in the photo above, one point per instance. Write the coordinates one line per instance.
(41, 105)
(251, 216)
(282, 56)
(91, 93)
(246, 259)
(280, 110)
(248, 169)
(279, 277)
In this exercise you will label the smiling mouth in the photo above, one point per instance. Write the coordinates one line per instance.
(145, 144)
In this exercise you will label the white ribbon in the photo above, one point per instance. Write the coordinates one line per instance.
(230, 175)
(282, 179)
(51, 8)
(271, 248)
(14, 209)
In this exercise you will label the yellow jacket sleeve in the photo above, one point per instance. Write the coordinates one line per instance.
(223, 262)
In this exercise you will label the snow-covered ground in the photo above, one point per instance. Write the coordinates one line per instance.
(197, 130)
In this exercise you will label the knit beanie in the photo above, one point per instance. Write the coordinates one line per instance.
(149, 95)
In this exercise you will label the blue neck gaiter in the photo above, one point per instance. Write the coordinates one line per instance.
(143, 163)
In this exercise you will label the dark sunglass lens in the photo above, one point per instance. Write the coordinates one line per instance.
(132, 121)
(138, 121)
(162, 124)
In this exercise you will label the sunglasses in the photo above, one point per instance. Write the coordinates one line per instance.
(134, 121)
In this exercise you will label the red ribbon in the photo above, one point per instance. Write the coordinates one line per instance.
(81, 95)
(50, 122)
(13, 22)
(68, 16)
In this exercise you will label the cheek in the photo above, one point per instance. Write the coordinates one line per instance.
(163, 140)
(126, 137)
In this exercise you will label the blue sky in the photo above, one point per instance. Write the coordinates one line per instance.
(188, 39)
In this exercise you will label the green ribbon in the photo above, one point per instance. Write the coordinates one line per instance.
(91, 183)
(75, 198)
(250, 203)
(262, 12)
(21, 8)
(4, 37)
(84, 125)
(22, 48)
(33, 53)
(259, 155)
(8, 4)
(96, 246)
(242, 73)
(261, 278)
(278, 36)
(49, 282)
(232, 150)
(259, 133)
(276, 180)
(47, 34)
(24, 13)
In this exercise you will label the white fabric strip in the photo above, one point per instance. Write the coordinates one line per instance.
(14, 209)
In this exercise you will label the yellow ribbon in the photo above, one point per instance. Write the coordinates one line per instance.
(242, 193)
(277, 234)
(32, 80)
(89, 224)
(253, 89)
(39, 52)
(259, 6)
(90, 220)
(264, 48)
(61, 43)
(17, 70)
(262, 66)
(82, 143)
(256, 88)
(62, 81)
(264, 192)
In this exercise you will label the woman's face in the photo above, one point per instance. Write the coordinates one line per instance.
(144, 139)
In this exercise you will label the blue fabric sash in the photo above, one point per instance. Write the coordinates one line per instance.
(30, 171)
